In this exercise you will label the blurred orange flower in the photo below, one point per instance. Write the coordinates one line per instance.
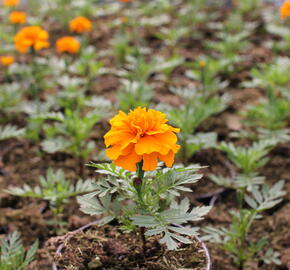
(285, 10)
(142, 135)
(67, 44)
(124, 19)
(10, 3)
(31, 37)
(80, 24)
(17, 17)
(124, 1)
(6, 60)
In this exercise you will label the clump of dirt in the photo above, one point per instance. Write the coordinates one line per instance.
(111, 249)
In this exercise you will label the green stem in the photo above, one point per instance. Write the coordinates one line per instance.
(140, 171)
(138, 183)
(202, 79)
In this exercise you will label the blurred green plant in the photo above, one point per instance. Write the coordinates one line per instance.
(70, 132)
(55, 189)
(13, 255)
(196, 108)
(235, 239)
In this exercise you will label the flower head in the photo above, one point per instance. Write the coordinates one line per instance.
(17, 17)
(80, 24)
(31, 37)
(285, 10)
(124, 1)
(6, 60)
(68, 45)
(202, 64)
(141, 135)
(10, 3)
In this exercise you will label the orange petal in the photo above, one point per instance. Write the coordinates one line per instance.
(150, 161)
(168, 159)
(117, 136)
(114, 152)
(168, 141)
(147, 145)
(128, 162)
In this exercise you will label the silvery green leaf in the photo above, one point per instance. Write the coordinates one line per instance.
(181, 239)
(168, 240)
(55, 145)
(184, 230)
(144, 221)
(154, 231)
(9, 131)
(251, 202)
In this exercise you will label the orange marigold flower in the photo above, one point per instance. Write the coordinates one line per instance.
(142, 135)
(31, 37)
(10, 3)
(6, 60)
(124, 1)
(80, 24)
(285, 10)
(17, 17)
(67, 44)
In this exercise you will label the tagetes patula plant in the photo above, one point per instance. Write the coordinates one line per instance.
(11, 3)
(31, 37)
(285, 10)
(146, 198)
(17, 17)
(80, 24)
(141, 136)
(68, 45)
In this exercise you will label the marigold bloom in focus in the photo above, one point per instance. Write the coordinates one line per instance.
(17, 17)
(10, 3)
(142, 135)
(6, 60)
(31, 37)
(67, 44)
(285, 10)
(80, 24)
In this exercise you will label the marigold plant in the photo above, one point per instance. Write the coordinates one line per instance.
(67, 45)
(80, 24)
(142, 135)
(17, 17)
(11, 3)
(31, 37)
(6, 60)
(285, 10)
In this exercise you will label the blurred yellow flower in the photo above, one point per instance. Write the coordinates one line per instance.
(11, 3)
(142, 135)
(202, 64)
(80, 24)
(68, 45)
(17, 17)
(6, 60)
(31, 37)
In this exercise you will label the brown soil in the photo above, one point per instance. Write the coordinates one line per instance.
(108, 248)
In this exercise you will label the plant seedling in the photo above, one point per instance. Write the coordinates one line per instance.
(13, 255)
(55, 189)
